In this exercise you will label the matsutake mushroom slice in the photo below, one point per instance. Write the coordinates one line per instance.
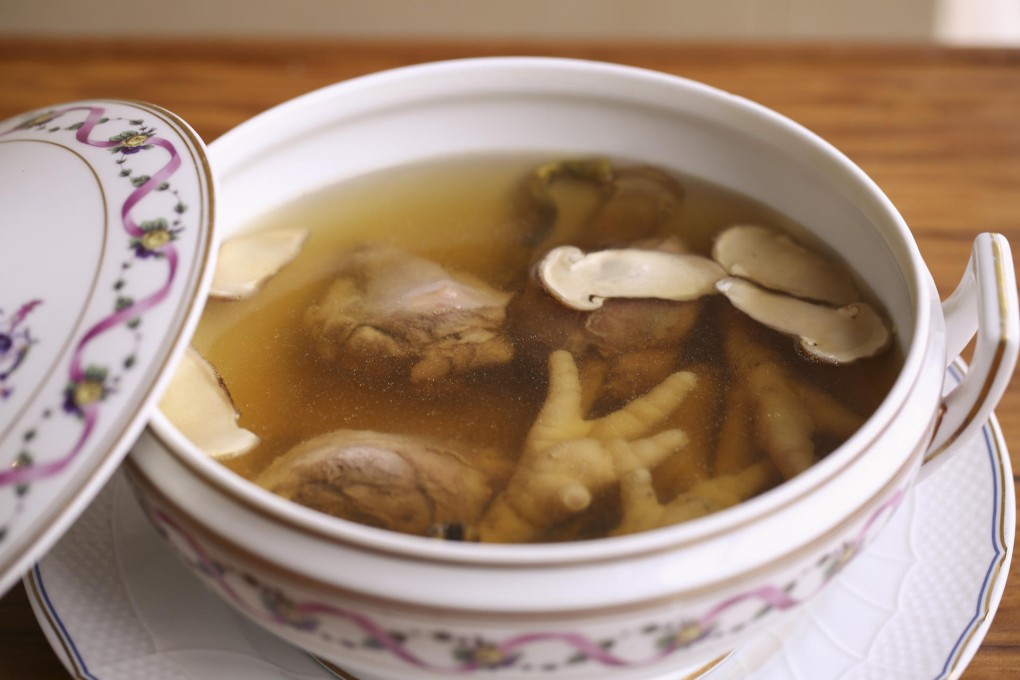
(198, 404)
(835, 334)
(583, 281)
(247, 261)
(774, 260)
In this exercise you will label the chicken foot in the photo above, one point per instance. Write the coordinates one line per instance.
(641, 509)
(786, 413)
(567, 460)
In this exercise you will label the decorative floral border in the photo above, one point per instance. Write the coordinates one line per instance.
(15, 342)
(472, 652)
(148, 242)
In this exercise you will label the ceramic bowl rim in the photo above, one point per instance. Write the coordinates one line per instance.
(668, 538)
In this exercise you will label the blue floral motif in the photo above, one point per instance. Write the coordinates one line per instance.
(15, 342)
(840, 559)
(156, 234)
(284, 610)
(684, 635)
(480, 653)
(91, 388)
(132, 141)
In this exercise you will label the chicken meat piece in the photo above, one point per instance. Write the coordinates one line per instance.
(390, 481)
(389, 311)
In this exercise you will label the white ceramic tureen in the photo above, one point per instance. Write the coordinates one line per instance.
(386, 606)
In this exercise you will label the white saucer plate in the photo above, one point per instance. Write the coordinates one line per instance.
(116, 604)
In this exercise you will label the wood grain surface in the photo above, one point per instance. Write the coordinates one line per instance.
(938, 129)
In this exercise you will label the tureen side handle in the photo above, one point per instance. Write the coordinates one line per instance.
(983, 307)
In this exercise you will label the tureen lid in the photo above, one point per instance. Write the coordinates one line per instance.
(105, 256)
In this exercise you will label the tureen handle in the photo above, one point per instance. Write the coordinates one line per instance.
(983, 307)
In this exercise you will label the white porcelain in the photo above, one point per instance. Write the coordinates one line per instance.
(115, 604)
(630, 608)
(105, 231)
(918, 602)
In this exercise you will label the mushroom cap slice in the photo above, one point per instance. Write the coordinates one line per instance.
(246, 261)
(772, 259)
(839, 335)
(583, 281)
(198, 404)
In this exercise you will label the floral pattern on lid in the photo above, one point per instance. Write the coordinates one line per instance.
(105, 226)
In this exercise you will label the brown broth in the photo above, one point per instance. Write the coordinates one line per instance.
(459, 213)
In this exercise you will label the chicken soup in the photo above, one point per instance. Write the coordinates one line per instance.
(511, 349)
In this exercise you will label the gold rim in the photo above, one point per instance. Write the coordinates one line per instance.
(1003, 559)
(334, 669)
(346, 675)
(71, 664)
(1000, 352)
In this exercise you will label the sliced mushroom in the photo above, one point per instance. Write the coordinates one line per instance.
(774, 260)
(198, 403)
(583, 281)
(839, 335)
(536, 204)
(247, 261)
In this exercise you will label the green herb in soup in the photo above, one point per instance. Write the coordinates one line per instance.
(511, 350)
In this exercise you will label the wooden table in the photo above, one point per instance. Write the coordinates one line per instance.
(938, 129)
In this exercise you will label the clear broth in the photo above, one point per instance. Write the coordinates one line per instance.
(458, 212)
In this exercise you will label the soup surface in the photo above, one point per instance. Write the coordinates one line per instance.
(544, 423)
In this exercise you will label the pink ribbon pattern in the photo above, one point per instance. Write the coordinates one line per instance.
(23, 470)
